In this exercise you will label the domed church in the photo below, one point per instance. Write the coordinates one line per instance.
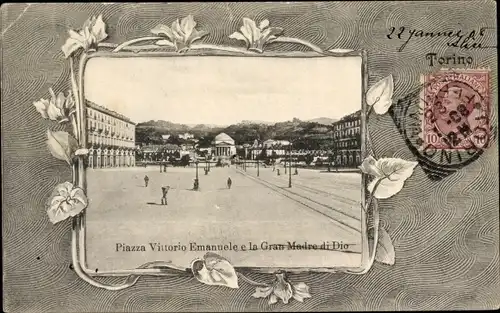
(223, 146)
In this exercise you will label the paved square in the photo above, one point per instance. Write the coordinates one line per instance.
(256, 210)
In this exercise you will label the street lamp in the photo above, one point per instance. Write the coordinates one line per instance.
(245, 158)
(196, 180)
(257, 168)
(285, 163)
(290, 165)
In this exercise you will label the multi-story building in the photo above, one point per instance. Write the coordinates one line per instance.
(152, 153)
(110, 138)
(186, 136)
(347, 140)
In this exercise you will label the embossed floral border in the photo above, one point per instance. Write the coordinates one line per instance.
(68, 199)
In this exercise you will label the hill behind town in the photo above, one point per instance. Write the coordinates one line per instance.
(312, 133)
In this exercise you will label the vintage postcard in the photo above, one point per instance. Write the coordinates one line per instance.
(287, 150)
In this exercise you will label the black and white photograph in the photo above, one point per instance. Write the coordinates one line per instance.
(196, 152)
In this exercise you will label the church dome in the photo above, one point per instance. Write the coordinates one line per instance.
(223, 137)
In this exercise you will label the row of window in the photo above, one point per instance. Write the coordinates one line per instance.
(100, 140)
(347, 132)
(112, 152)
(347, 144)
(107, 119)
(348, 160)
(128, 133)
(343, 125)
(95, 136)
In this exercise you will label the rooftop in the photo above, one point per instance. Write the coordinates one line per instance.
(224, 138)
(160, 147)
(349, 117)
(109, 112)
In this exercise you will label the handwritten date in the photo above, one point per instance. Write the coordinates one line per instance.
(456, 38)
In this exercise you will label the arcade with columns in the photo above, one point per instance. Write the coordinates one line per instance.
(110, 138)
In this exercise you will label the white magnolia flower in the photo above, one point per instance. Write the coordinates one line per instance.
(181, 35)
(256, 37)
(57, 108)
(282, 289)
(66, 200)
(92, 32)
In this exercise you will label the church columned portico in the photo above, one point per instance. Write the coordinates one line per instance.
(223, 151)
(223, 146)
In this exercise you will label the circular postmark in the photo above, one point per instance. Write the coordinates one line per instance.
(446, 121)
(456, 111)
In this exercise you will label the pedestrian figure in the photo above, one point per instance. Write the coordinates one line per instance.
(278, 171)
(229, 182)
(196, 184)
(165, 168)
(296, 172)
(164, 191)
(146, 180)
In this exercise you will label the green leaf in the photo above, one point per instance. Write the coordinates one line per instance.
(215, 270)
(62, 145)
(164, 42)
(390, 175)
(163, 30)
(66, 201)
(380, 95)
(195, 36)
(385, 249)
(239, 36)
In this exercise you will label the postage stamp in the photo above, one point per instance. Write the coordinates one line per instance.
(456, 109)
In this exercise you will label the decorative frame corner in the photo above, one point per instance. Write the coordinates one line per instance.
(69, 200)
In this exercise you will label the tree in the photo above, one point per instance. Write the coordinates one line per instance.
(309, 158)
(185, 160)
(177, 154)
(201, 153)
(263, 154)
(139, 155)
(319, 162)
(241, 153)
(174, 139)
(206, 141)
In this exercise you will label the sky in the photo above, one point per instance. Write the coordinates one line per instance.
(224, 90)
